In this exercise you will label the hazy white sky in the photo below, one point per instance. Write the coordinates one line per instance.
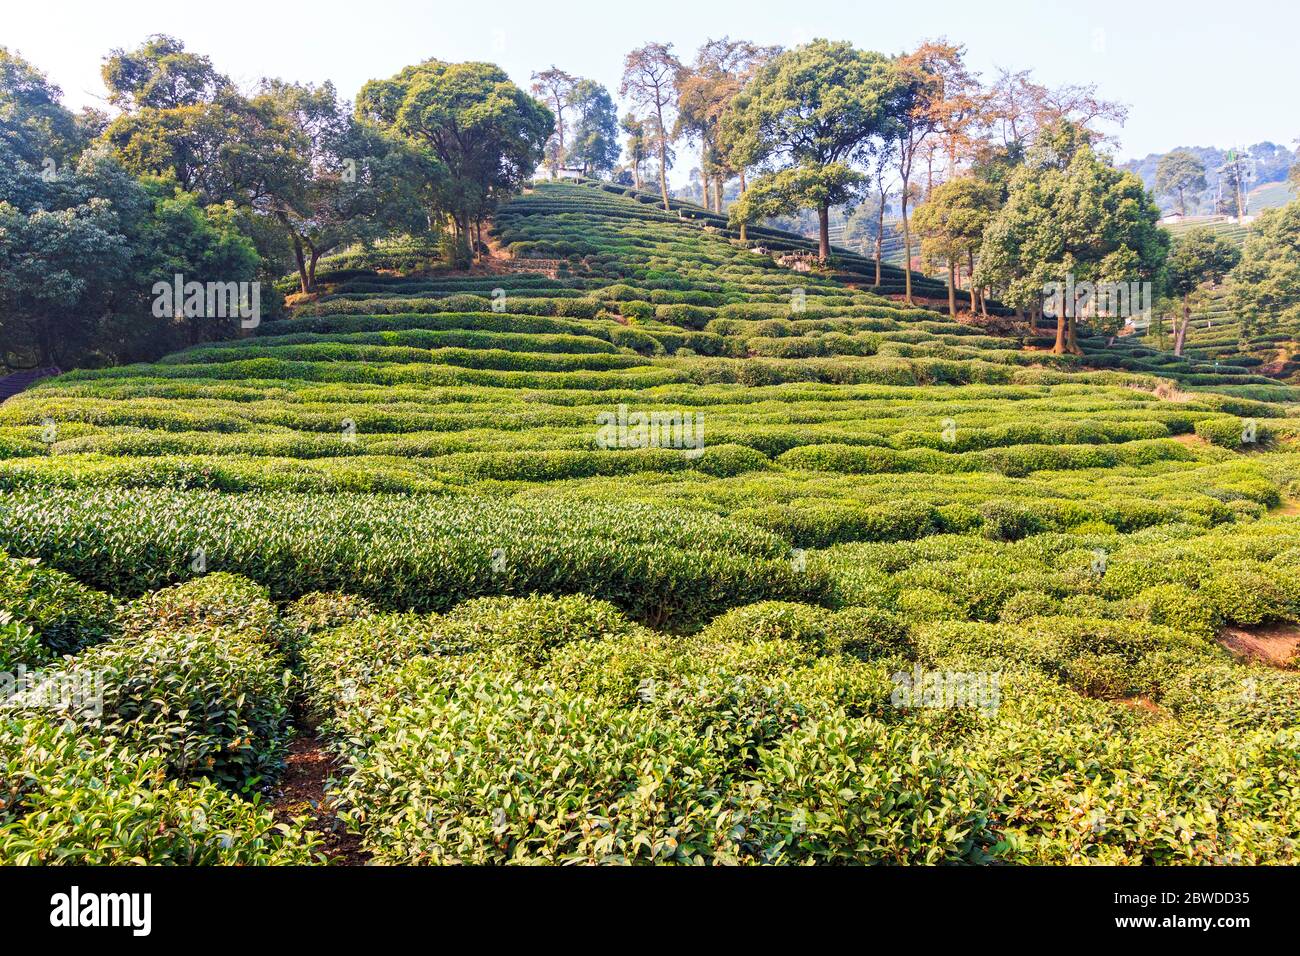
(1194, 72)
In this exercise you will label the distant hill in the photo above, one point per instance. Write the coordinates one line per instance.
(1268, 163)
(1271, 196)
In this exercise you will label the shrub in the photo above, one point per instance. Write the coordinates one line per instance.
(70, 798)
(1236, 433)
(1009, 520)
(777, 620)
(871, 632)
(1243, 595)
(857, 791)
(534, 626)
(218, 601)
(20, 646)
(61, 613)
(322, 611)
(339, 662)
(1175, 606)
(539, 775)
(215, 703)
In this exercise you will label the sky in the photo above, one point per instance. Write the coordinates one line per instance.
(1194, 73)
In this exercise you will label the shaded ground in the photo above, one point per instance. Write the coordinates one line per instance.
(301, 790)
(1275, 644)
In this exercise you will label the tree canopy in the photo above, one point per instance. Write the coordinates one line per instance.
(808, 116)
(488, 134)
(1070, 217)
(1182, 175)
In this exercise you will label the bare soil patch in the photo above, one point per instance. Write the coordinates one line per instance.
(1144, 704)
(301, 791)
(1274, 644)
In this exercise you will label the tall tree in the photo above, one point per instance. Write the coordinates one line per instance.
(487, 133)
(1180, 174)
(1070, 218)
(34, 123)
(594, 144)
(942, 100)
(1198, 258)
(811, 114)
(650, 77)
(81, 250)
(637, 144)
(705, 91)
(1266, 284)
(350, 181)
(181, 117)
(1234, 172)
(161, 74)
(558, 90)
(951, 223)
(1019, 109)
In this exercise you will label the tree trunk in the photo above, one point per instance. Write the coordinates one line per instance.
(636, 173)
(663, 158)
(304, 280)
(823, 233)
(907, 250)
(1059, 347)
(971, 263)
(704, 189)
(311, 269)
(952, 286)
(1180, 335)
(880, 236)
(1071, 337)
(743, 237)
(719, 187)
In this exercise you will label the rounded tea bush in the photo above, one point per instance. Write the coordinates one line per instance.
(843, 790)
(214, 703)
(63, 614)
(533, 627)
(776, 620)
(505, 772)
(77, 798)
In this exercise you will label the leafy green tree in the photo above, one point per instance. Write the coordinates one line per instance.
(1182, 175)
(594, 145)
(650, 75)
(34, 123)
(161, 74)
(558, 90)
(1198, 257)
(637, 144)
(181, 117)
(1070, 218)
(1265, 286)
(810, 114)
(706, 90)
(80, 252)
(488, 134)
(787, 191)
(349, 180)
(936, 98)
(951, 223)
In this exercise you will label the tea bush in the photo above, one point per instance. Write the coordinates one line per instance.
(76, 799)
(213, 703)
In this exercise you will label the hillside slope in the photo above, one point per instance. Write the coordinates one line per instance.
(679, 524)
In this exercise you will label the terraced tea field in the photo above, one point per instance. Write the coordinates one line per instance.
(640, 548)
